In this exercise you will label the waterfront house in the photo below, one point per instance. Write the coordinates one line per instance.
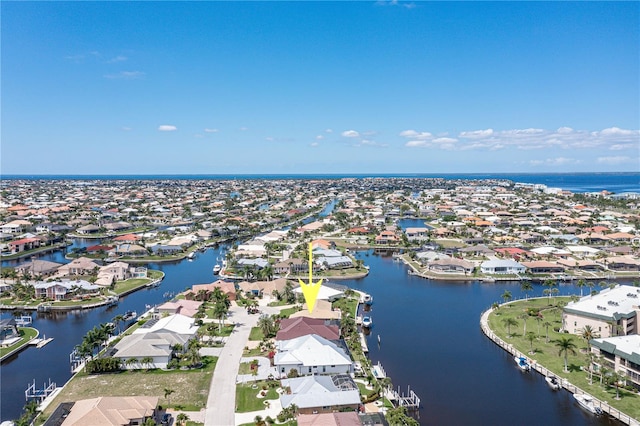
(311, 354)
(622, 263)
(347, 418)
(622, 355)
(88, 229)
(184, 307)
(8, 331)
(613, 311)
(322, 310)
(543, 267)
(206, 290)
(505, 266)
(24, 244)
(291, 266)
(62, 290)
(451, 265)
(38, 267)
(291, 328)
(155, 339)
(321, 394)
(79, 266)
(105, 411)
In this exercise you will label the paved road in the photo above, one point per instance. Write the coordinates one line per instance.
(221, 403)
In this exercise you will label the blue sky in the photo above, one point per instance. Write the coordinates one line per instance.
(319, 87)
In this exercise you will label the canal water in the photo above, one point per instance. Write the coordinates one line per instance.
(430, 340)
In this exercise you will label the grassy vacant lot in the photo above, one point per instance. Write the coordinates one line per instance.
(247, 398)
(124, 286)
(190, 387)
(547, 353)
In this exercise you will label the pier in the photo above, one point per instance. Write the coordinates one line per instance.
(410, 400)
(39, 394)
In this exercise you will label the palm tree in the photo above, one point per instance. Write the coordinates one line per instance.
(267, 325)
(167, 394)
(524, 317)
(220, 311)
(539, 318)
(509, 322)
(549, 283)
(182, 419)
(615, 378)
(117, 320)
(581, 284)
(131, 361)
(555, 292)
(526, 287)
(588, 334)
(147, 361)
(531, 336)
(506, 296)
(565, 345)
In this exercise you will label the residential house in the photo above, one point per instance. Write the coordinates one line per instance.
(155, 339)
(24, 244)
(226, 287)
(8, 331)
(184, 307)
(505, 266)
(105, 411)
(291, 328)
(79, 266)
(311, 354)
(387, 238)
(451, 265)
(321, 394)
(65, 289)
(88, 229)
(544, 267)
(37, 267)
(623, 263)
(347, 418)
(417, 234)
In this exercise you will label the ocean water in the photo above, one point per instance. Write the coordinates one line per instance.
(575, 182)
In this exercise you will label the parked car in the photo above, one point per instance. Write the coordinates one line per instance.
(166, 419)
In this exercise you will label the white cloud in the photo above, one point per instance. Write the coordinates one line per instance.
(319, 137)
(621, 146)
(417, 144)
(350, 134)
(367, 142)
(125, 75)
(615, 160)
(445, 140)
(564, 130)
(243, 129)
(119, 58)
(616, 131)
(328, 131)
(211, 130)
(314, 144)
(558, 161)
(476, 134)
(412, 134)
(167, 128)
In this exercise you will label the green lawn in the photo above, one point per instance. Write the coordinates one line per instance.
(247, 400)
(190, 388)
(26, 334)
(346, 305)
(130, 284)
(256, 334)
(547, 354)
(286, 313)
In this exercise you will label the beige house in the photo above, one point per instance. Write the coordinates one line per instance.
(79, 266)
(106, 410)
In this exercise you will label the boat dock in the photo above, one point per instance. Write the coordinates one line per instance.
(38, 343)
(39, 394)
(24, 321)
(363, 343)
(409, 400)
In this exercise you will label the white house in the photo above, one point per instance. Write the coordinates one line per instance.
(321, 394)
(311, 354)
(506, 266)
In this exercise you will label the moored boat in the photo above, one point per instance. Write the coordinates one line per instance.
(366, 322)
(586, 401)
(522, 363)
(129, 315)
(553, 382)
(217, 269)
(367, 299)
(191, 255)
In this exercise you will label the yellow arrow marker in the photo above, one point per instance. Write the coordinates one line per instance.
(311, 289)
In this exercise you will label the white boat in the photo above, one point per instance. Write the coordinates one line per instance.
(129, 315)
(522, 363)
(217, 269)
(553, 382)
(587, 402)
(368, 299)
(191, 255)
(366, 322)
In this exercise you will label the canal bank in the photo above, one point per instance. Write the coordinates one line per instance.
(544, 372)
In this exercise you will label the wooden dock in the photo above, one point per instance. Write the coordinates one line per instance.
(39, 394)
